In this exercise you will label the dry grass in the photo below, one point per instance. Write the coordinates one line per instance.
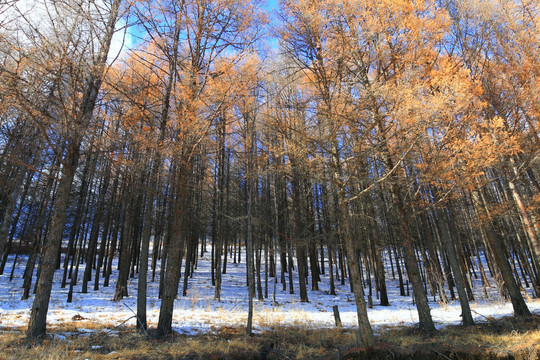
(512, 337)
(505, 337)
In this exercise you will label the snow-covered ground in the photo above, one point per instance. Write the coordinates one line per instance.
(199, 312)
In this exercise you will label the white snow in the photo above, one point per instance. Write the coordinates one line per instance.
(200, 312)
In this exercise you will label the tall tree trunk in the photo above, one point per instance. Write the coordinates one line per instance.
(411, 264)
(174, 254)
(107, 234)
(145, 246)
(15, 222)
(298, 204)
(251, 138)
(529, 230)
(96, 226)
(126, 242)
(499, 253)
(365, 331)
(51, 248)
(459, 278)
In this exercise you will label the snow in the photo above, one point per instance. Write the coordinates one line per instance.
(200, 312)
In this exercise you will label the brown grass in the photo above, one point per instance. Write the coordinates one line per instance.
(510, 338)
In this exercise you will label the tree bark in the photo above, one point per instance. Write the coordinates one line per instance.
(365, 331)
(459, 278)
(51, 248)
(411, 264)
(174, 257)
(499, 253)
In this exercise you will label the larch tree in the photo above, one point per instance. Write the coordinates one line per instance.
(308, 39)
(211, 30)
(505, 63)
(69, 48)
(375, 131)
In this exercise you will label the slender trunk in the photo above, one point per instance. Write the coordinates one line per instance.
(125, 247)
(499, 253)
(298, 202)
(411, 264)
(381, 277)
(94, 233)
(8, 215)
(249, 240)
(459, 279)
(529, 230)
(145, 248)
(364, 328)
(101, 261)
(174, 254)
(51, 248)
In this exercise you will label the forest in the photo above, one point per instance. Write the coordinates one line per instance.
(306, 138)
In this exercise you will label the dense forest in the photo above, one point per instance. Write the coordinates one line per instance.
(319, 137)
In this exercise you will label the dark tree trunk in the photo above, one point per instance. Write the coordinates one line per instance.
(364, 328)
(51, 248)
(411, 264)
(174, 257)
(449, 246)
(37, 238)
(96, 226)
(126, 242)
(499, 253)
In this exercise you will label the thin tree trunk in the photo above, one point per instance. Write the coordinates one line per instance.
(251, 138)
(529, 230)
(365, 331)
(520, 308)
(126, 241)
(174, 257)
(411, 264)
(459, 279)
(51, 248)
(94, 233)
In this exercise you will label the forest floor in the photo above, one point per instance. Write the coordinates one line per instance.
(505, 338)
(93, 326)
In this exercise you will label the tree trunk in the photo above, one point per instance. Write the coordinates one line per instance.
(94, 233)
(251, 138)
(174, 257)
(51, 248)
(499, 253)
(529, 230)
(365, 331)
(411, 264)
(125, 246)
(459, 279)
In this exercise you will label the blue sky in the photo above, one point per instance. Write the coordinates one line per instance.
(272, 4)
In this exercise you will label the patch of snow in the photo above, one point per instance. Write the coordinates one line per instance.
(199, 311)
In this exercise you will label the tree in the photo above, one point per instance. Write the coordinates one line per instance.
(76, 62)
(210, 29)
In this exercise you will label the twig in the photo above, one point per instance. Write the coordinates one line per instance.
(485, 317)
(280, 353)
(238, 302)
(108, 331)
(135, 316)
(441, 354)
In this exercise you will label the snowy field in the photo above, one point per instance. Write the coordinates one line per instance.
(199, 312)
